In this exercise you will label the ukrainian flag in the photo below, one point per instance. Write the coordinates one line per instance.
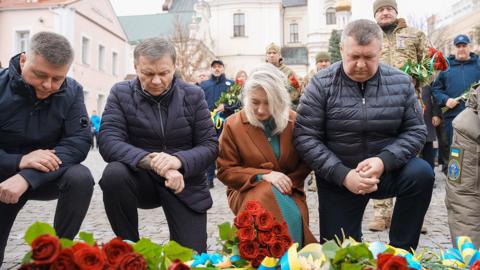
(455, 152)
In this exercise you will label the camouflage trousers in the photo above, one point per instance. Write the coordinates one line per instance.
(383, 208)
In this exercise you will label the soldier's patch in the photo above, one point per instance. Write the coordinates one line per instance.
(454, 171)
(401, 43)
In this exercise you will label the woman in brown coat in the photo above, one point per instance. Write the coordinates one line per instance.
(257, 159)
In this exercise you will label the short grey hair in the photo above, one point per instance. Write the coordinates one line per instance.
(274, 83)
(154, 49)
(363, 31)
(55, 48)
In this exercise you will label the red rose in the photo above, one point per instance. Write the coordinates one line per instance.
(240, 82)
(265, 237)
(294, 82)
(45, 249)
(279, 228)
(80, 245)
(243, 219)
(248, 250)
(90, 258)
(392, 263)
(178, 265)
(285, 240)
(258, 260)
(382, 259)
(476, 265)
(276, 249)
(431, 52)
(132, 261)
(115, 249)
(64, 261)
(264, 221)
(396, 263)
(254, 208)
(246, 234)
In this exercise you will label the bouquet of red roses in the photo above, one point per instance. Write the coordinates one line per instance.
(424, 71)
(50, 252)
(260, 235)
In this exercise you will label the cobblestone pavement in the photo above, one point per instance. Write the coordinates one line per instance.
(153, 223)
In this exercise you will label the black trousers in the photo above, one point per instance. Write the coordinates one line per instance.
(443, 147)
(125, 190)
(340, 210)
(428, 154)
(73, 190)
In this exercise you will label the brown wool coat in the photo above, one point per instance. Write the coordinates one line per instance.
(245, 152)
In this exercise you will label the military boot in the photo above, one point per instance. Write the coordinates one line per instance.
(379, 224)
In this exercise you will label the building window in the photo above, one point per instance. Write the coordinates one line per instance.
(85, 50)
(331, 18)
(294, 33)
(239, 25)
(22, 38)
(114, 63)
(101, 57)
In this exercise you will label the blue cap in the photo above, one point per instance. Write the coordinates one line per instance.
(461, 39)
(217, 61)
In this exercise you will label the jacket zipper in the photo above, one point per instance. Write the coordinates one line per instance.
(159, 106)
(364, 111)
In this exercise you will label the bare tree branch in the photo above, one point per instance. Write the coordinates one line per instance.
(192, 54)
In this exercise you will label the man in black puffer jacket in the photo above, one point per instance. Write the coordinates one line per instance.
(359, 126)
(157, 135)
(44, 135)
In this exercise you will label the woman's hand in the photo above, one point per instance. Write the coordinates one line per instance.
(279, 180)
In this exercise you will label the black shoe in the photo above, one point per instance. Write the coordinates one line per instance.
(210, 185)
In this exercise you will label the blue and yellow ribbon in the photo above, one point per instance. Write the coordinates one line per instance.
(464, 256)
(217, 119)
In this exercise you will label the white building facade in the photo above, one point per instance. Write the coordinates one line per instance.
(242, 29)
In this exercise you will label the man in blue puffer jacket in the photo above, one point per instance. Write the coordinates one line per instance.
(44, 135)
(463, 72)
(214, 87)
(158, 139)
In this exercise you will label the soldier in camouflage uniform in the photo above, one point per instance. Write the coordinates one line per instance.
(463, 177)
(274, 57)
(322, 60)
(400, 43)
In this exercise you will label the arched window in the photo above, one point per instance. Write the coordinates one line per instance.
(331, 17)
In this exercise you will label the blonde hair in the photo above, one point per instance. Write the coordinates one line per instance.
(270, 79)
(240, 72)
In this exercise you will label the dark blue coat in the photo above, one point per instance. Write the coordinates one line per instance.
(453, 82)
(213, 88)
(134, 124)
(339, 125)
(58, 122)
